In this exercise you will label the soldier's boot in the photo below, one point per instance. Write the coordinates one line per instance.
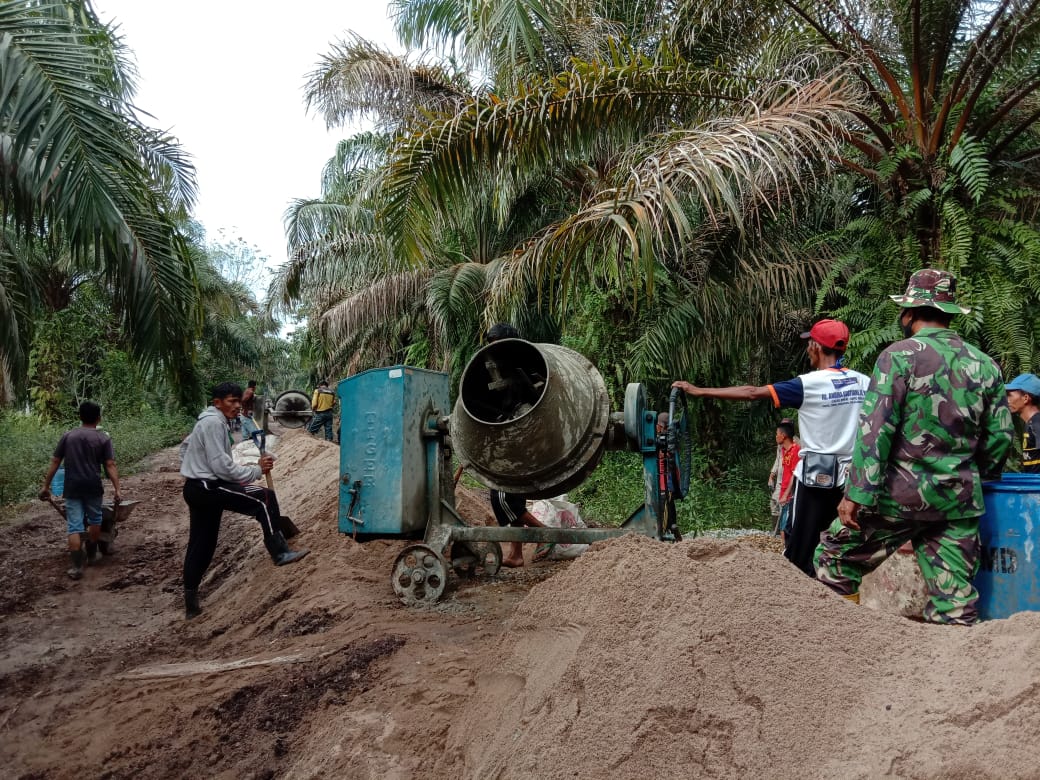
(279, 550)
(78, 558)
(853, 597)
(191, 604)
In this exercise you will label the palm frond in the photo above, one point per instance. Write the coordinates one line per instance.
(358, 80)
(382, 300)
(71, 163)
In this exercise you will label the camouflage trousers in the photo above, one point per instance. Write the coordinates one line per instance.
(948, 554)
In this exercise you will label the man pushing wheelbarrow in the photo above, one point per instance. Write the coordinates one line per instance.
(84, 451)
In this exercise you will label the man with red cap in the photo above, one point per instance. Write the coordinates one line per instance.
(828, 400)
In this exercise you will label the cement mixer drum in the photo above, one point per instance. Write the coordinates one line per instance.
(530, 418)
(292, 409)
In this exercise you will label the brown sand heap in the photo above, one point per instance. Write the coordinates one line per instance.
(709, 659)
(637, 660)
(242, 586)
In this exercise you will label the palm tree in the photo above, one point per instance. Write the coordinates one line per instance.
(674, 169)
(944, 159)
(729, 169)
(80, 173)
(920, 116)
(366, 302)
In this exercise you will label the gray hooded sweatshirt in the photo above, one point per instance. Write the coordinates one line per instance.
(206, 453)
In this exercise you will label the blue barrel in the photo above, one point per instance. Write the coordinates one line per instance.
(1009, 567)
(58, 482)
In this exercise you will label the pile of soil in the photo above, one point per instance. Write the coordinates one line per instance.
(704, 658)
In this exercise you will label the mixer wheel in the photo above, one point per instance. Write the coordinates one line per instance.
(472, 558)
(419, 576)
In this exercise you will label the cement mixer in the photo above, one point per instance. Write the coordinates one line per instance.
(531, 419)
(292, 409)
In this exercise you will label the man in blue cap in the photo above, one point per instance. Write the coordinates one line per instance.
(1023, 393)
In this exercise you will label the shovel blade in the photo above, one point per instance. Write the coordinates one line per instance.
(287, 527)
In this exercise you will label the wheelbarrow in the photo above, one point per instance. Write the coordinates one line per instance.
(111, 515)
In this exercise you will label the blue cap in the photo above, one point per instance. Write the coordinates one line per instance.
(1027, 383)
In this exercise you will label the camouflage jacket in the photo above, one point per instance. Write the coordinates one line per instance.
(935, 418)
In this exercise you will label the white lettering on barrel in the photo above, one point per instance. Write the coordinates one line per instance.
(369, 461)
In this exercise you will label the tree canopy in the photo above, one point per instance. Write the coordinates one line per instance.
(87, 189)
(709, 175)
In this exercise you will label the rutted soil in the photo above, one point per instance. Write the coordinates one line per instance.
(639, 659)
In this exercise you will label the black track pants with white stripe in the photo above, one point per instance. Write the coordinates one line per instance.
(207, 500)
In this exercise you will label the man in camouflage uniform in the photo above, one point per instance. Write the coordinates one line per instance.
(935, 418)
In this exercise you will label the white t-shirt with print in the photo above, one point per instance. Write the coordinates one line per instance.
(828, 403)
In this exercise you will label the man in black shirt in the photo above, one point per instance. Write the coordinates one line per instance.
(1023, 393)
(84, 450)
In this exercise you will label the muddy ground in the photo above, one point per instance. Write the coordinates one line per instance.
(639, 659)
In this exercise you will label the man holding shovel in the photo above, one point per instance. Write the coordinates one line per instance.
(85, 450)
(214, 483)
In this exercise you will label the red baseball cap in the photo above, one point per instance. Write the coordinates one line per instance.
(831, 334)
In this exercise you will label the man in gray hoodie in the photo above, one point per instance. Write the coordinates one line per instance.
(213, 482)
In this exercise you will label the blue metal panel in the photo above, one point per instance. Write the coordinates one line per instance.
(1008, 580)
(383, 413)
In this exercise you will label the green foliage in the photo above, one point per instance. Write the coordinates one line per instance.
(603, 326)
(26, 446)
(78, 354)
(613, 491)
(83, 177)
(969, 160)
(137, 437)
(738, 498)
(67, 350)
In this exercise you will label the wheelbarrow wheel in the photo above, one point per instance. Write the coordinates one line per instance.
(107, 542)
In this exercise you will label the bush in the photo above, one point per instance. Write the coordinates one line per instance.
(26, 446)
(734, 500)
(135, 438)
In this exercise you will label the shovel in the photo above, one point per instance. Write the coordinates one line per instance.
(283, 524)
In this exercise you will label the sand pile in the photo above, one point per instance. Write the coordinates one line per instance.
(306, 478)
(639, 659)
(242, 581)
(709, 659)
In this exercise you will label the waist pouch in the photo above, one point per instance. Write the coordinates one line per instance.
(819, 470)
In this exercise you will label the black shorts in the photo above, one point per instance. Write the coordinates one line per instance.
(508, 507)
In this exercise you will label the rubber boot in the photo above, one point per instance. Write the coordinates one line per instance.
(191, 604)
(279, 550)
(78, 558)
(92, 552)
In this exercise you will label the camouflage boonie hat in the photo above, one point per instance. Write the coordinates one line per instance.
(931, 287)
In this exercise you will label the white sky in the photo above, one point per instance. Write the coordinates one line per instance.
(226, 78)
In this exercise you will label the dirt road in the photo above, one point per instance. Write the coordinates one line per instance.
(639, 659)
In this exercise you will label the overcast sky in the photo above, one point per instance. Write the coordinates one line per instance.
(226, 77)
